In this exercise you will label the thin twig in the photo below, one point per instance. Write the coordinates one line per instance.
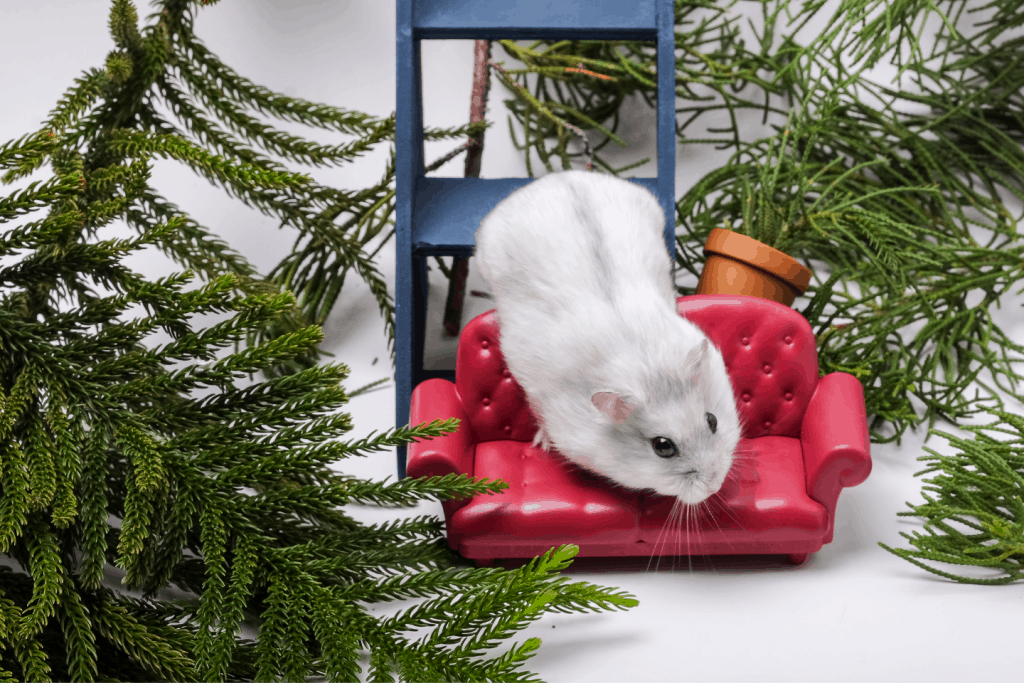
(477, 111)
(587, 151)
(438, 163)
(478, 103)
(581, 70)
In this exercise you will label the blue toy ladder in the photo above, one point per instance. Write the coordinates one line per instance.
(439, 216)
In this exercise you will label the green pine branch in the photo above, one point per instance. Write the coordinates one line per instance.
(881, 204)
(981, 488)
(163, 464)
(162, 93)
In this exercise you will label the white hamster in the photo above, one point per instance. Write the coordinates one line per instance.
(619, 382)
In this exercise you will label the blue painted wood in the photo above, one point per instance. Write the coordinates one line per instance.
(408, 166)
(448, 211)
(439, 216)
(496, 19)
(666, 56)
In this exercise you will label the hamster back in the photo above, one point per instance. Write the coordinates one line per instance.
(575, 236)
(585, 300)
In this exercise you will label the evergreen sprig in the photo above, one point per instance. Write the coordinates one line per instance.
(161, 463)
(97, 423)
(163, 93)
(980, 488)
(880, 188)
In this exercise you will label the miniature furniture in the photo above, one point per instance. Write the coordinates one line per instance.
(804, 439)
(439, 216)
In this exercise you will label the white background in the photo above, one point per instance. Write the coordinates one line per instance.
(853, 613)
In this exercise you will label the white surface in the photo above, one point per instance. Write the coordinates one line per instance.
(854, 613)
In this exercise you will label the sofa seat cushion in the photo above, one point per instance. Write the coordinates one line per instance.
(763, 502)
(548, 498)
(762, 505)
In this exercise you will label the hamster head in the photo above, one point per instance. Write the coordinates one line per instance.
(676, 430)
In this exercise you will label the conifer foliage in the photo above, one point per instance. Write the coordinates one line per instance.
(127, 455)
(902, 196)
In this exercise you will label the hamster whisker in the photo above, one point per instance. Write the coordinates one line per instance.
(684, 524)
(680, 526)
(666, 525)
(703, 513)
(654, 549)
(727, 510)
(745, 455)
(706, 514)
(724, 506)
(680, 522)
(689, 517)
(714, 518)
(674, 525)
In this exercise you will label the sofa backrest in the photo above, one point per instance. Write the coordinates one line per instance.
(769, 350)
(493, 399)
(771, 355)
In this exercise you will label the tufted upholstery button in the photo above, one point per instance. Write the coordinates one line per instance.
(588, 510)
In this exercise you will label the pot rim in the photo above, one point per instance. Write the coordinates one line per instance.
(733, 245)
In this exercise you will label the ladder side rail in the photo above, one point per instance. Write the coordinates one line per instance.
(666, 56)
(408, 166)
(410, 265)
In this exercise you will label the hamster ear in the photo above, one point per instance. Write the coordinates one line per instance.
(612, 405)
(695, 360)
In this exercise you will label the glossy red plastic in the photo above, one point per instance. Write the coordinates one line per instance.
(804, 439)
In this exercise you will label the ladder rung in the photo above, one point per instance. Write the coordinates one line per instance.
(447, 211)
(576, 19)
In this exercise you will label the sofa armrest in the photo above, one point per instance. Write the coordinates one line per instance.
(437, 399)
(835, 441)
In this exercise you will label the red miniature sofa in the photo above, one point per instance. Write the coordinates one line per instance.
(805, 438)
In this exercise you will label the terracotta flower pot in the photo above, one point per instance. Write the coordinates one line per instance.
(737, 264)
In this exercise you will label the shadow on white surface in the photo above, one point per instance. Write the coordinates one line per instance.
(855, 612)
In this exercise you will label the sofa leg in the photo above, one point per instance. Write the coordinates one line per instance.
(797, 558)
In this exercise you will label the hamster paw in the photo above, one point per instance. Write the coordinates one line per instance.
(542, 439)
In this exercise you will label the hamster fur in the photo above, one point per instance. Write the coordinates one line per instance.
(588, 327)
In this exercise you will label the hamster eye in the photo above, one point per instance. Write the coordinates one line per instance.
(712, 422)
(664, 447)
